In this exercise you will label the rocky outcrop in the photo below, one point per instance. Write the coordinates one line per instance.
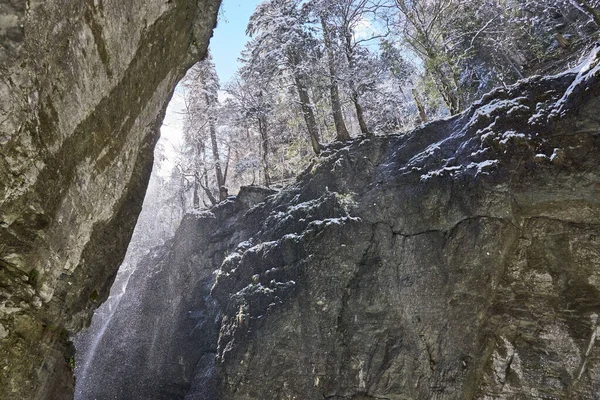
(160, 340)
(459, 261)
(83, 91)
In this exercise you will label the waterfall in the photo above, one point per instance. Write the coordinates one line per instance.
(87, 342)
(157, 222)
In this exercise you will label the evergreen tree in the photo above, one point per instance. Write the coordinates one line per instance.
(200, 132)
(283, 48)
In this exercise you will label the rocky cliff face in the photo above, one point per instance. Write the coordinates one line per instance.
(84, 87)
(161, 340)
(459, 261)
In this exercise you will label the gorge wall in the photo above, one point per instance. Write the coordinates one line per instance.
(83, 92)
(459, 261)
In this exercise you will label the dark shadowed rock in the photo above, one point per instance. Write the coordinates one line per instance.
(83, 92)
(161, 341)
(460, 261)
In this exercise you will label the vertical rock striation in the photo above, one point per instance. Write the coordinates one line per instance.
(83, 91)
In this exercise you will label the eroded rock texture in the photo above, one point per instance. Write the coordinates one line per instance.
(161, 340)
(83, 90)
(460, 261)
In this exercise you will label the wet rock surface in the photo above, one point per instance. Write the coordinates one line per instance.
(460, 261)
(166, 324)
(83, 91)
(161, 340)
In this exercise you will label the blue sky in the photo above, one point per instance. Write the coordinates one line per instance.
(230, 36)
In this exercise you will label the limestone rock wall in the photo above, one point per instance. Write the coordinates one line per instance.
(161, 340)
(460, 261)
(83, 91)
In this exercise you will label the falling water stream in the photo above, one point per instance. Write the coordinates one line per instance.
(155, 225)
(87, 343)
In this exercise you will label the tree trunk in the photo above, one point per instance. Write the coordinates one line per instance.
(336, 105)
(182, 193)
(209, 194)
(360, 114)
(215, 151)
(420, 107)
(196, 200)
(262, 128)
(204, 176)
(223, 193)
(227, 160)
(444, 84)
(206, 189)
(309, 115)
(364, 129)
(438, 62)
